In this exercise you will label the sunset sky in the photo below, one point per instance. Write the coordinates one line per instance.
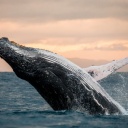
(85, 29)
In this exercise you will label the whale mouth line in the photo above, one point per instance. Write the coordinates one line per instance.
(63, 84)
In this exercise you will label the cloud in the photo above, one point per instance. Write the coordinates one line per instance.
(65, 32)
(53, 10)
(66, 25)
(70, 35)
(108, 46)
(61, 45)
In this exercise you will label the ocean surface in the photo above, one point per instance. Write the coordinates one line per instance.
(22, 107)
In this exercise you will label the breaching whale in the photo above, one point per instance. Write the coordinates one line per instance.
(64, 85)
(102, 71)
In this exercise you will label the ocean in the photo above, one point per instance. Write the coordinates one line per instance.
(22, 107)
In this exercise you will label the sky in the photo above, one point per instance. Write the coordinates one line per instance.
(84, 29)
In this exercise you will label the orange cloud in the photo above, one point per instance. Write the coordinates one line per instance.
(90, 29)
(89, 38)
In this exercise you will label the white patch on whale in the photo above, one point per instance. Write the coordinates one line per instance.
(102, 71)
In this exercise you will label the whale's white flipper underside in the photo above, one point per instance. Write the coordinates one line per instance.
(102, 71)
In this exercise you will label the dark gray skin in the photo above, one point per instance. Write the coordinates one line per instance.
(62, 88)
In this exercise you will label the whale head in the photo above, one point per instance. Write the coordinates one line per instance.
(18, 57)
(30, 65)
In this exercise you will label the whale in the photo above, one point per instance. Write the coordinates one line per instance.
(63, 84)
(103, 71)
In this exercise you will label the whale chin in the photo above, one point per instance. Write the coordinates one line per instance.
(63, 84)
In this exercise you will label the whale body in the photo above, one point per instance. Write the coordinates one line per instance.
(64, 85)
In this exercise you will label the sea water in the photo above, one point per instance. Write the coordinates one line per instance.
(22, 107)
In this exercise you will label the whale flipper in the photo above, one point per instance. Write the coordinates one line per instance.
(102, 71)
(64, 85)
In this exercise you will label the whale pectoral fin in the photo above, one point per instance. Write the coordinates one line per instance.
(100, 72)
